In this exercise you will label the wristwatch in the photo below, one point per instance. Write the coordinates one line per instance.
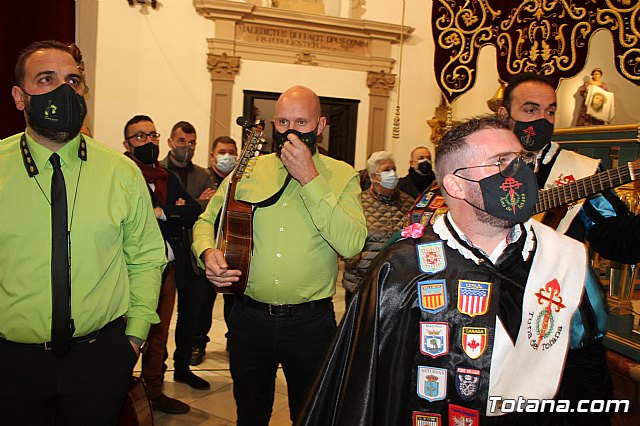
(138, 341)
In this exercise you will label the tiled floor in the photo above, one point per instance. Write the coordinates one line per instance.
(217, 406)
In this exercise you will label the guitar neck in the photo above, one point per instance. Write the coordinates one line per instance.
(564, 194)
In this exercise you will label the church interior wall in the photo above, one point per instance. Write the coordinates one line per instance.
(154, 62)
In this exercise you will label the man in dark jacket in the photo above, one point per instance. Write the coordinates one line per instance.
(195, 288)
(175, 211)
(420, 174)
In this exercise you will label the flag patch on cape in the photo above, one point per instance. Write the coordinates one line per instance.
(474, 341)
(432, 383)
(434, 338)
(473, 297)
(467, 382)
(424, 219)
(421, 418)
(437, 202)
(463, 416)
(431, 257)
(440, 212)
(432, 295)
(424, 200)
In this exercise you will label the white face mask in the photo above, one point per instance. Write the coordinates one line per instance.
(225, 162)
(389, 179)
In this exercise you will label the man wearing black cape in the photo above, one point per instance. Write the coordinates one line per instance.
(488, 317)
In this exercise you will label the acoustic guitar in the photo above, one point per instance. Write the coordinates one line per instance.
(235, 230)
(553, 199)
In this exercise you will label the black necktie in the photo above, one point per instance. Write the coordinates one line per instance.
(60, 280)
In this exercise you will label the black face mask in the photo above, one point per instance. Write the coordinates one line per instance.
(511, 198)
(147, 153)
(425, 167)
(56, 115)
(534, 135)
(308, 138)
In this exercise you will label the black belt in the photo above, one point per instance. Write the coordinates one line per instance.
(87, 338)
(288, 310)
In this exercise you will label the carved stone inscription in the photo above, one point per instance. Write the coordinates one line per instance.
(296, 38)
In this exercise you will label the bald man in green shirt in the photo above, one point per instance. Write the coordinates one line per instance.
(286, 314)
(104, 287)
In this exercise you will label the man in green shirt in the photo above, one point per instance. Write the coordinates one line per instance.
(113, 258)
(286, 314)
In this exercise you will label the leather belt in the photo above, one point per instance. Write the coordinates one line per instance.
(87, 338)
(286, 310)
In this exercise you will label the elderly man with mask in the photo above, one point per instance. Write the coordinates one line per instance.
(384, 208)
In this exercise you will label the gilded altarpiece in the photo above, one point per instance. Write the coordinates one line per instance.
(549, 37)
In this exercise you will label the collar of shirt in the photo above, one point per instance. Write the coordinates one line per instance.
(68, 153)
(513, 235)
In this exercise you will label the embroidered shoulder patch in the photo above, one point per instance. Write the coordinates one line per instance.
(432, 383)
(474, 341)
(473, 297)
(434, 338)
(432, 295)
(467, 382)
(431, 257)
(437, 202)
(421, 418)
(424, 200)
(463, 416)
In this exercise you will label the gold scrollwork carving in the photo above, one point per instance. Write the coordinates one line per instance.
(549, 37)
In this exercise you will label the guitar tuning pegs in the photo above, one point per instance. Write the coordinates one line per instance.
(259, 147)
(246, 174)
(256, 153)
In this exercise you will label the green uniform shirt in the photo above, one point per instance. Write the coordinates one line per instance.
(296, 241)
(117, 252)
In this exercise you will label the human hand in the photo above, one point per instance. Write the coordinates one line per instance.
(216, 269)
(157, 211)
(298, 161)
(207, 194)
(180, 202)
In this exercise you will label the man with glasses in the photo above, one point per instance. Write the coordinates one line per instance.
(80, 252)
(461, 319)
(176, 211)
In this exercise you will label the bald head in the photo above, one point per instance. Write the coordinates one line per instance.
(298, 108)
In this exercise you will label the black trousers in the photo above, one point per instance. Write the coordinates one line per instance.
(206, 312)
(190, 298)
(259, 342)
(85, 387)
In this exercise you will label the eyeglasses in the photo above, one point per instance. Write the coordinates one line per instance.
(507, 164)
(141, 136)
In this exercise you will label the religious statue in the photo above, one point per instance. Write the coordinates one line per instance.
(598, 105)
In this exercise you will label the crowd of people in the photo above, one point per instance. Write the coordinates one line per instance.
(474, 301)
